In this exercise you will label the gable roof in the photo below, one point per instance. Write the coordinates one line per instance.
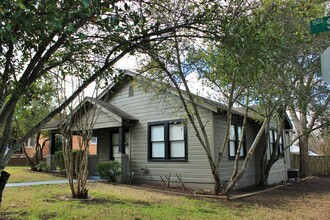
(119, 115)
(111, 109)
(254, 114)
(212, 105)
(123, 117)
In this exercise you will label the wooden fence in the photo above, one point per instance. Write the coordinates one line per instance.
(318, 165)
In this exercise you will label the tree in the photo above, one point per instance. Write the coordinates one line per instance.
(78, 119)
(34, 106)
(38, 156)
(309, 95)
(82, 38)
(271, 45)
(176, 58)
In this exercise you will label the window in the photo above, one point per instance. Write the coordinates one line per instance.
(167, 141)
(234, 139)
(280, 147)
(115, 144)
(131, 91)
(94, 140)
(30, 143)
(272, 142)
(272, 137)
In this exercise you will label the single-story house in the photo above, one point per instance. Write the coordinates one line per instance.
(148, 132)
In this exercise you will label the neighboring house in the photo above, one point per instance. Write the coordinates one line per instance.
(294, 149)
(30, 148)
(152, 138)
(314, 145)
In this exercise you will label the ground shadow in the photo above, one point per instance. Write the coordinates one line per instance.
(313, 187)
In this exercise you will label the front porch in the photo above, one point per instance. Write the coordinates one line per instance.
(111, 132)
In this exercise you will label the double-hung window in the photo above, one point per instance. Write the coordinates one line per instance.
(280, 147)
(167, 140)
(93, 140)
(30, 143)
(272, 142)
(272, 138)
(234, 139)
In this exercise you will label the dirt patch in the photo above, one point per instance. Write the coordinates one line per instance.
(311, 188)
(161, 187)
(69, 198)
(20, 215)
(46, 216)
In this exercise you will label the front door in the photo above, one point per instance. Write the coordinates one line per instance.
(114, 146)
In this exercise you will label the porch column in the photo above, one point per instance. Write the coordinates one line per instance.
(122, 140)
(52, 143)
(50, 158)
(123, 160)
(122, 157)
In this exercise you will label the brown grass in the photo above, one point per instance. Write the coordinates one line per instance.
(307, 199)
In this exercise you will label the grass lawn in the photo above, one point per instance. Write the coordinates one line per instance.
(125, 202)
(114, 202)
(20, 174)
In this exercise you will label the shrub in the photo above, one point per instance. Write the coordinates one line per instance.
(43, 167)
(109, 171)
(59, 160)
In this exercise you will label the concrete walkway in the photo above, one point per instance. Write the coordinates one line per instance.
(90, 179)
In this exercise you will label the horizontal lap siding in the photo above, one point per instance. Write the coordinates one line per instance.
(226, 167)
(103, 121)
(278, 171)
(102, 144)
(100, 120)
(147, 108)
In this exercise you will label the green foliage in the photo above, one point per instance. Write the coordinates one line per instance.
(109, 171)
(43, 167)
(34, 105)
(81, 38)
(58, 142)
(59, 160)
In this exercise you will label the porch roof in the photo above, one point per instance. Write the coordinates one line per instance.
(113, 111)
(115, 115)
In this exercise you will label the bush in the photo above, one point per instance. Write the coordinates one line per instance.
(43, 167)
(59, 160)
(109, 171)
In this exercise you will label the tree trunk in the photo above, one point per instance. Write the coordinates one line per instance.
(30, 160)
(3, 180)
(247, 159)
(264, 175)
(217, 184)
(304, 157)
(83, 194)
(263, 159)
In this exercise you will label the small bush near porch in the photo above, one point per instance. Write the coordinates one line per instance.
(109, 171)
